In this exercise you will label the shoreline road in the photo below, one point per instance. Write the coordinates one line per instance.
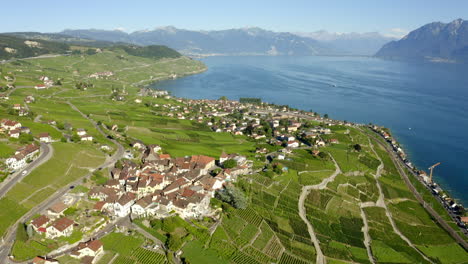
(46, 153)
(399, 165)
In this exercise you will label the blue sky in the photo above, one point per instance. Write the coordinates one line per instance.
(388, 17)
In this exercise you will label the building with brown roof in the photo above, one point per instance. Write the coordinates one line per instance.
(40, 222)
(60, 227)
(90, 248)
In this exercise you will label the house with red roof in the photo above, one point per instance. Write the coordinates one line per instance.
(60, 227)
(10, 124)
(45, 137)
(92, 248)
(39, 223)
(40, 86)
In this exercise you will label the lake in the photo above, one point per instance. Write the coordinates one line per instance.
(424, 104)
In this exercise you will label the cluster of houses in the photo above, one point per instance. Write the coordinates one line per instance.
(99, 75)
(46, 83)
(12, 128)
(164, 185)
(21, 110)
(53, 224)
(396, 147)
(21, 157)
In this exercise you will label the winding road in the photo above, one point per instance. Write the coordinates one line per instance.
(9, 238)
(302, 211)
(46, 152)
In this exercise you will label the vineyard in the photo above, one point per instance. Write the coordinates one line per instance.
(130, 250)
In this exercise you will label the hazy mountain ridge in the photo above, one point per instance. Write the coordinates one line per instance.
(437, 40)
(350, 43)
(243, 41)
(230, 42)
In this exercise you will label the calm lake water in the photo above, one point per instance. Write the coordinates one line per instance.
(424, 104)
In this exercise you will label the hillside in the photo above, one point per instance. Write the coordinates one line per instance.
(436, 40)
(62, 38)
(152, 51)
(14, 47)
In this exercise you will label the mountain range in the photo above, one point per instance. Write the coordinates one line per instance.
(434, 41)
(243, 41)
(350, 43)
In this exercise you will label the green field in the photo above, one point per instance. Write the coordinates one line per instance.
(69, 162)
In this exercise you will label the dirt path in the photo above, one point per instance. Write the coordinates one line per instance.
(279, 194)
(367, 238)
(302, 211)
(381, 203)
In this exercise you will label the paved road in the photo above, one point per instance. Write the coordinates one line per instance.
(399, 165)
(9, 238)
(32, 58)
(45, 154)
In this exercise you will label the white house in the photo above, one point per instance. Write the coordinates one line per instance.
(123, 206)
(45, 137)
(86, 138)
(15, 133)
(91, 248)
(293, 144)
(18, 160)
(80, 131)
(61, 227)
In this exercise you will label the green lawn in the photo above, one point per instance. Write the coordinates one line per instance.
(194, 252)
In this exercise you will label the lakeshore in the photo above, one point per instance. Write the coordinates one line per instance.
(427, 115)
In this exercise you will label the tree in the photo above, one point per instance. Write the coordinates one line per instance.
(229, 164)
(357, 147)
(91, 51)
(25, 138)
(278, 168)
(21, 234)
(323, 155)
(76, 52)
(63, 139)
(75, 138)
(325, 116)
(223, 98)
(232, 196)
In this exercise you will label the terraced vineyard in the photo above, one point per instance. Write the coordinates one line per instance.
(368, 199)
